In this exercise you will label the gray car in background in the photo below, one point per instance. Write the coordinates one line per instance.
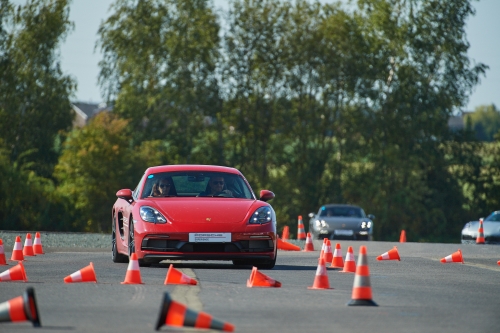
(491, 230)
(336, 221)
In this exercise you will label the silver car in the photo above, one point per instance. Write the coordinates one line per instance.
(335, 221)
(491, 230)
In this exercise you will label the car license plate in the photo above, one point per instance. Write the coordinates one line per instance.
(343, 232)
(210, 237)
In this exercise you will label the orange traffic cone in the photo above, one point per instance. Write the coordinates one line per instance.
(321, 278)
(301, 233)
(454, 257)
(86, 274)
(16, 273)
(402, 237)
(350, 264)
(390, 255)
(133, 275)
(286, 233)
(309, 243)
(480, 233)
(173, 313)
(361, 289)
(37, 246)
(3, 260)
(28, 246)
(337, 261)
(21, 308)
(323, 248)
(258, 279)
(328, 255)
(175, 276)
(17, 252)
(282, 245)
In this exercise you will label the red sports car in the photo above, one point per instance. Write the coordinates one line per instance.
(194, 212)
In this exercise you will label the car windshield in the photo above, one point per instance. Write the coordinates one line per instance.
(196, 184)
(494, 217)
(341, 211)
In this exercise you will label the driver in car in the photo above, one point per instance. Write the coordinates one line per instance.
(216, 188)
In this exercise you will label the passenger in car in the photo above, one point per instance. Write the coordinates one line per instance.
(216, 187)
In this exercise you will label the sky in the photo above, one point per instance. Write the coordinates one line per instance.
(79, 58)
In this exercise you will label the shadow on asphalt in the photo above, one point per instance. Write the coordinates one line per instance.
(165, 265)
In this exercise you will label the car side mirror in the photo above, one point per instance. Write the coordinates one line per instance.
(311, 215)
(371, 216)
(266, 195)
(125, 194)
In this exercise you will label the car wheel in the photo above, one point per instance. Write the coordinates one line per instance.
(115, 255)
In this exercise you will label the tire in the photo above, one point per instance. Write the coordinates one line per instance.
(115, 255)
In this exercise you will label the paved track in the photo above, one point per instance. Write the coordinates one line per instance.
(418, 294)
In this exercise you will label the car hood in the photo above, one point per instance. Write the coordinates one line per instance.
(203, 210)
(342, 222)
(489, 228)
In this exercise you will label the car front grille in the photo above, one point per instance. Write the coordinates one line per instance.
(244, 246)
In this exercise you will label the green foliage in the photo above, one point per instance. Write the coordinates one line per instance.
(34, 93)
(485, 120)
(317, 102)
(95, 163)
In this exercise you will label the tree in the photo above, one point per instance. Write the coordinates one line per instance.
(485, 120)
(34, 93)
(95, 163)
(159, 63)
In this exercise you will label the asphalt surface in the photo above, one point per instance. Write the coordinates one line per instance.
(416, 294)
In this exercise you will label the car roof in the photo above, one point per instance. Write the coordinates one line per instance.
(192, 167)
(340, 205)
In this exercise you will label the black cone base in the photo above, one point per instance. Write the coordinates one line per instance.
(362, 302)
(31, 308)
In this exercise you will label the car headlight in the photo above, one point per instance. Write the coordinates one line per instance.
(149, 214)
(262, 215)
(366, 225)
(321, 224)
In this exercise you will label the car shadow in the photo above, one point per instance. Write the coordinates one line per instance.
(210, 265)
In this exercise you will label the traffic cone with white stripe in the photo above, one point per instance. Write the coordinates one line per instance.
(337, 261)
(133, 275)
(3, 260)
(28, 246)
(37, 246)
(16, 273)
(390, 255)
(328, 255)
(21, 308)
(480, 233)
(309, 243)
(361, 289)
(173, 313)
(86, 274)
(301, 233)
(323, 248)
(454, 257)
(349, 264)
(321, 278)
(286, 233)
(258, 279)
(174, 276)
(17, 252)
